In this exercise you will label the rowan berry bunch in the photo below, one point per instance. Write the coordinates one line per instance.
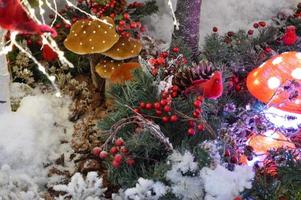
(117, 155)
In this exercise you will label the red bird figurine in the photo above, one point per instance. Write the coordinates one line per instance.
(211, 89)
(13, 17)
(290, 37)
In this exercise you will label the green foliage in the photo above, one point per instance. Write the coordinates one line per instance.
(149, 8)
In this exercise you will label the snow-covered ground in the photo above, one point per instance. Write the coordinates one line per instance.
(225, 14)
(30, 140)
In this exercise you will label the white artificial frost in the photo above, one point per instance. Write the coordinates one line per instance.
(221, 184)
(145, 190)
(79, 188)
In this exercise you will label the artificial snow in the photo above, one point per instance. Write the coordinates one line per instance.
(90, 188)
(183, 176)
(31, 138)
(221, 184)
(145, 190)
(233, 15)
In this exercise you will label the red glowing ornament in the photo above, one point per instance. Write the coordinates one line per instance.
(13, 17)
(269, 140)
(266, 82)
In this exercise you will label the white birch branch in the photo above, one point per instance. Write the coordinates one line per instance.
(4, 80)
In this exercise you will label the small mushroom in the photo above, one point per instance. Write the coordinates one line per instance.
(125, 48)
(267, 82)
(91, 36)
(116, 71)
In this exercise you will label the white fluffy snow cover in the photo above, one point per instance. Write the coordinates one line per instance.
(232, 15)
(31, 138)
(183, 175)
(221, 184)
(227, 15)
(146, 190)
(80, 188)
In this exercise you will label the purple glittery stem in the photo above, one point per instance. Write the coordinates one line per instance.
(188, 14)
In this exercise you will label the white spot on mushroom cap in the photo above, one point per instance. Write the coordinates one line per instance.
(274, 82)
(296, 73)
(84, 32)
(277, 60)
(94, 32)
(298, 55)
(261, 65)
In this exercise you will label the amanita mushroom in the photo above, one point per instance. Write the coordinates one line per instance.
(125, 48)
(91, 36)
(266, 82)
(269, 140)
(116, 71)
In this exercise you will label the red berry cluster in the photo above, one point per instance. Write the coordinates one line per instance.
(236, 83)
(193, 127)
(127, 27)
(257, 25)
(163, 107)
(162, 60)
(118, 154)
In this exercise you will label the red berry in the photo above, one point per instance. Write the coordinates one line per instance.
(119, 142)
(163, 102)
(191, 132)
(237, 88)
(197, 103)
(175, 49)
(159, 112)
(167, 108)
(96, 151)
(114, 150)
(174, 118)
(103, 154)
(121, 23)
(126, 16)
(116, 164)
(262, 23)
(130, 162)
(124, 150)
(133, 25)
(196, 114)
(191, 123)
(250, 32)
(29, 42)
(234, 159)
(118, 158)
(157, 105)
(148, 106)
(255, 25)
(200, 127)
(142, 105)
(175, 88)
(165, 119)
(230, 33)
(214, 29)
(174, 94)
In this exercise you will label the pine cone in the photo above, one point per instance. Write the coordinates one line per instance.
(185, 78)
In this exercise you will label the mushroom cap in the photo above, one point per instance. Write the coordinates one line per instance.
(266, 82)
(125, 48)
(116, 71)
(91, 36)
(270, 140)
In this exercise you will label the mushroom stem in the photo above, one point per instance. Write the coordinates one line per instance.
(98, 82)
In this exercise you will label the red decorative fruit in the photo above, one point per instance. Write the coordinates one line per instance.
(96, 151)
(119, 142)
(103, 154)
(191, 132)
(114, 150)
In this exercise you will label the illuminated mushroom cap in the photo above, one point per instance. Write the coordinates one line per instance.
(266, 82)
(91, 36)
(125, 48)
(269, 140)
(116, 71)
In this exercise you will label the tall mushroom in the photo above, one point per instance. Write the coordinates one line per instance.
(92, 37)
(278, 82)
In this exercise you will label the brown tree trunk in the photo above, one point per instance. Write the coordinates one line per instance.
(188, 14)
